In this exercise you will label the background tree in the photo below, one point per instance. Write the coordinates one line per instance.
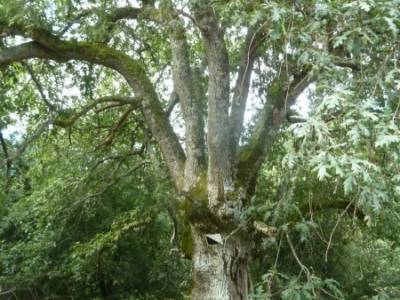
(179, 74)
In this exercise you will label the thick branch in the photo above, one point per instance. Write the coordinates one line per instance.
(130, 12)
(190, 104)
(241, 89)
(183, 83)
(280, 98)
(220, 158)
(127, 12)
(108, 106)
(21, 52)
(49, 47)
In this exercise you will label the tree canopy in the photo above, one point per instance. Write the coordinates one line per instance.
(253, 146)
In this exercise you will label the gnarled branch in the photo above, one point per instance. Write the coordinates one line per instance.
(48, 46)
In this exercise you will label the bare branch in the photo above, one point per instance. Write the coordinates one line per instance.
(135, 101)
(270, 231)
(334, 228)
(127, 12)
(119, 13)
(40, 129)
(116, 179)
(39, 87)
(109, 106)
(75, 20)
(346, 206)
(114, 131)
(302, 266)
(346, 64)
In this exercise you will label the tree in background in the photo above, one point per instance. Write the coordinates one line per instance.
(217, 56)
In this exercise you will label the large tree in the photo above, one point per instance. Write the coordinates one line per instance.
(213, 56)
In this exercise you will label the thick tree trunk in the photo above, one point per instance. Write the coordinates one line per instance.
(220, 271)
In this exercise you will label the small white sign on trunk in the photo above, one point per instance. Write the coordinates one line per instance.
(214, 239)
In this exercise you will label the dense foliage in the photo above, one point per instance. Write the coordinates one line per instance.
(88, 211)
(71, 227)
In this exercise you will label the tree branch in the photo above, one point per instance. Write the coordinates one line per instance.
(241, 89)
(109, 106)
(42, 127)
(346, 206)
(39, 87)
(114, 131)
(343, 63)
(116, 179)
(127, 12)
(281, 96)
(119, 13)
(75, 20)
(66, 119)
(220, 179)
(173, 100)
(6, 155)
(189, 103)
(48, 46)
(21, 52)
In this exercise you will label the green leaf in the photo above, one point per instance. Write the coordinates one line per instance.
(385, 140)
(349, 184)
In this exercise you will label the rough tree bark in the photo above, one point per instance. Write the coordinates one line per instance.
(220, 271)
(217, 178)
